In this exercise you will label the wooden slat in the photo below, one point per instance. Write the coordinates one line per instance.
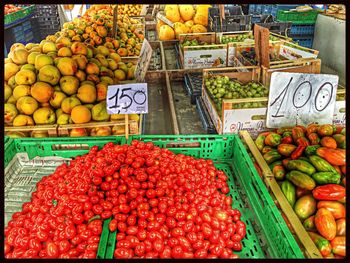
(310, 247)
(172, 105)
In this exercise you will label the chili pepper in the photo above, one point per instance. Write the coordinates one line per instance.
(298, 152)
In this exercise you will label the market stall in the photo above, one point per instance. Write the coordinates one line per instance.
(174, 131)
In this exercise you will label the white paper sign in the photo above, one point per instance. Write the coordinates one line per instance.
(204, 58)
(127, 98)
(143, 62)
(245, 119)
(339, 113)
(161, 17)
(294, 53)
(300, 99)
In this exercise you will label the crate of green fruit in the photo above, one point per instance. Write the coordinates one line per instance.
(245, 39)
(297, 17)
(199, 50)
(235, 99)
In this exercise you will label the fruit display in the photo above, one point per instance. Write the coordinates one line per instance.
(8, 9)
(195, 42)
(54, 82)
(309, 164)
(130, 10)
(221, 87)
(186, 19)
(162, 205)
(64, 79)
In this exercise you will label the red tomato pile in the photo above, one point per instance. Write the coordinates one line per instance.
(11, 9)
(163, 205)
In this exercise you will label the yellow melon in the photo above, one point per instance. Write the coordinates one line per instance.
(166, 33)
(200, 19)
(186, 12)
(159, 24)
(198, 29)
(180, 28)
(173, 14)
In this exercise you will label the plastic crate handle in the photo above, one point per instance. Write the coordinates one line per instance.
(183, 145)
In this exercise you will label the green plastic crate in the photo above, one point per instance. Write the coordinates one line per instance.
(296, 18)
(267, 233)
(63, 147)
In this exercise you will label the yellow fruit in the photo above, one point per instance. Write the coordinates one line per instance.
(198, 29)
(10, 70)
(119, 74)
(166, 33)
(159, 24)
(173, 14)
(10, 112)
(180, 28)
(44, 116)
(23, 120)
(87, 93)
(27, 105)
(80, 114)
(186, 12)
(42, 91)
(21, 91)
(189, 23)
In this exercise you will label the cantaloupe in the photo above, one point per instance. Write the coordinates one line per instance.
(159, 24)
(186, 12)
(166, 33)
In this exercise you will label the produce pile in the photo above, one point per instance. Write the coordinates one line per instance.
(221, 87)
(225, 39)
(195, 42)
(130, 10)
(186, 19)
(64, 79)
(163, 205)
(310, 166)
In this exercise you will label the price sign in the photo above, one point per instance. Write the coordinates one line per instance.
(300, 99)
(127, 99)
(143, 62)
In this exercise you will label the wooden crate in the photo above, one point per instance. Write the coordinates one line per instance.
(234, 48)
(28, 131)
(292, 219)
(135, 127)
(203, 56)
(339, 116)
(311, 66)
(230, 120)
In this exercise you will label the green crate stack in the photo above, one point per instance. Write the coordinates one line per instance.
(308, 17)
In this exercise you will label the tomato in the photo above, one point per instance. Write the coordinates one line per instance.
(52, 250)
(140, 249)
(132, 230)
(201, 253)
(113, 225)
(177, 252)
(158, 245)
(63, 246)
(122, 253)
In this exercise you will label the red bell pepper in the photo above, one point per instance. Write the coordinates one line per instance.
(303, 141)
(287, 140)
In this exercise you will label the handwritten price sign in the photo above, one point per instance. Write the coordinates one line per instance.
(127, 99)
(297, 98)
